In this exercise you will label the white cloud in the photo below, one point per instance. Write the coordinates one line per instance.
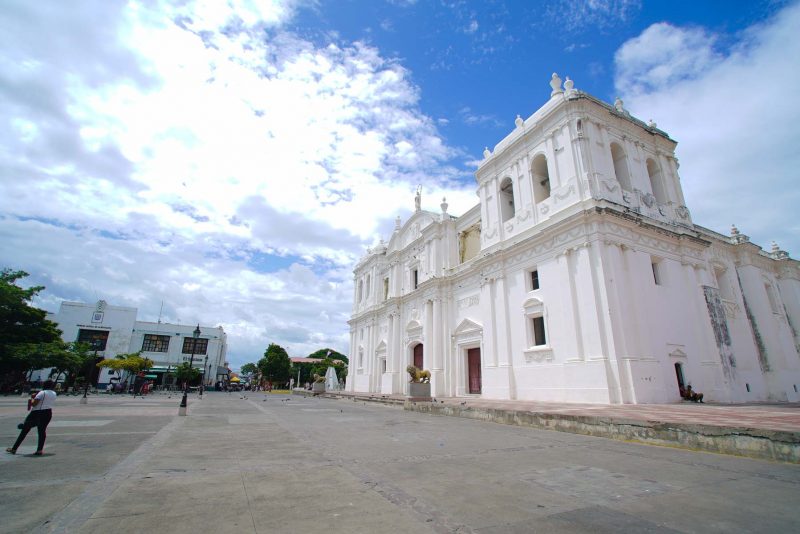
(200, 154)
(662, 56)
(574, 16)
(733, 113)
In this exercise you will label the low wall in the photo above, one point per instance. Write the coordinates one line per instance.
(753, 443)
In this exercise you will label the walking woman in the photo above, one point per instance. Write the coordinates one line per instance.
(41, 413)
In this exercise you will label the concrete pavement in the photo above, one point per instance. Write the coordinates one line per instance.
(275, 463)
(766, 431)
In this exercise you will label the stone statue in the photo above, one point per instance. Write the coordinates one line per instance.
(418, 375)
(418, 198)
(319, 379)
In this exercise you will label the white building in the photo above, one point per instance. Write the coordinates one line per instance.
(114, 330)
(578, 277)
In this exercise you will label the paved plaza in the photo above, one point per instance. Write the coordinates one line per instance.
(274, 463)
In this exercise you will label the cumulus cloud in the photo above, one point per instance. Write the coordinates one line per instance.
(733, 113)
(201, 154)
(662, 56)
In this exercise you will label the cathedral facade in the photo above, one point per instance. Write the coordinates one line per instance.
(578, 277)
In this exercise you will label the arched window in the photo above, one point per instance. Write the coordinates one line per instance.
(360, 290)
(621, 166)
(506, 199)
(541, 179)
(656, 181)
(369, 279)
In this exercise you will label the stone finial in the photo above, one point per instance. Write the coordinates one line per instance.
(444, 205)
(652, 124)
(555, 84)
(486, 152)
(777, 254)
(569, 86)
(618, 105)
(519, 122)
(737, 237)
(418, 198)
(397, 224)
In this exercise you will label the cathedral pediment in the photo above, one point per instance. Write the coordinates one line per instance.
(411, 230)
(467, 326)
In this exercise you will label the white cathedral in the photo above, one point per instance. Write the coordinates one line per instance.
(578, 277)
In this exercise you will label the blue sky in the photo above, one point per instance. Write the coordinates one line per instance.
(234, 159)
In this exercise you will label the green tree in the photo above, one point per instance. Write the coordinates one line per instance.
(275, 366)
(130, 363)
(249, 369)
(186, 373)
(23, 328)
(73, 360)
(328, 353)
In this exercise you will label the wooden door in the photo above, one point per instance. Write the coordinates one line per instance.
(474, 370)
(418, 356)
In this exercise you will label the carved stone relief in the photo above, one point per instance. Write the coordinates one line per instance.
(466, 302)
(538, 356)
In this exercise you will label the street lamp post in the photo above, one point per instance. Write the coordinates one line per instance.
(182, 408)
(85, 399)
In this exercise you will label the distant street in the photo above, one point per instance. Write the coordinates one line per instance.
(275, 463)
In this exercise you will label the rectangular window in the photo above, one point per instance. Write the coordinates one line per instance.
(385, 288)
(415, 281)
(96, 338)
(534, 280)
(538, 331)
(200, 345)
(154, 343)
(383, 365)
(656, 265)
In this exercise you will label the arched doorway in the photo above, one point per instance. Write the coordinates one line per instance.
(418, 356)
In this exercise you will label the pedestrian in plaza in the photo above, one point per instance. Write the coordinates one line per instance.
(41, 412)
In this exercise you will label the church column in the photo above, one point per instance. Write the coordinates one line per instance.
(489, 331)
(503, 344)
(436, 346)
(398, 347)
(351, 367)
(390, 341)
(428, 336)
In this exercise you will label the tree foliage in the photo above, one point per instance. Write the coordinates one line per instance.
(249, 369)
(186, 373)
(328, 353)
(26, 335)
(130, 363)
(275, 366)
(73, 361)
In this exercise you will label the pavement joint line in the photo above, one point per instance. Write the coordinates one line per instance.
(78, 511)
(49, 482)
